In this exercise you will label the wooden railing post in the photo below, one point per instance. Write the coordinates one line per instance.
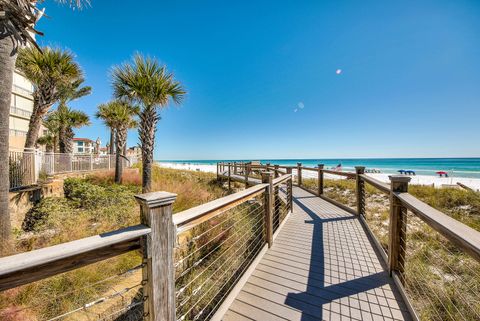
(218, 171)
(398, 224)
(235, 168)
(157, 248)
(229, 176)
(277, 174)
(290, 189)
(320, 179)
(299, 174)
(360, 190)
(267, 178)
(246, 172)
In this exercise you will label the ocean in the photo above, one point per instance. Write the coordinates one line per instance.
(456, 167)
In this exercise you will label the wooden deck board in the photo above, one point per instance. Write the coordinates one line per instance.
(322, 266)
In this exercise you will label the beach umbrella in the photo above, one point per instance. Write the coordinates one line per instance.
(441, 173)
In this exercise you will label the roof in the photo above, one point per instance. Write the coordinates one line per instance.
(78, 139)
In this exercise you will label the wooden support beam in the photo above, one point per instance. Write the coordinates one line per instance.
(398, 222)
(246, 170)
(229, 176)
(299, 174)
(290, 189)
(267, 178)
(320, 179)
(158, 251)
(360, 190)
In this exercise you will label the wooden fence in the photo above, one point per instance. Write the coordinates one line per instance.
(192, 261)
(433, 258)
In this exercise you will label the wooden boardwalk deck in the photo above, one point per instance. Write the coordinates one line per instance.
(322, 266)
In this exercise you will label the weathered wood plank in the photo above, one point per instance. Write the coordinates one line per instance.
(192, 217)
(463, 236)
(321, 266)
(32, 266)
(381, 186)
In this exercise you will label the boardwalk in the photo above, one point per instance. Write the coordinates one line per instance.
(322, 266)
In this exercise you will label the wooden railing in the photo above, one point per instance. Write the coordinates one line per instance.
(415, 249)
(192, 261)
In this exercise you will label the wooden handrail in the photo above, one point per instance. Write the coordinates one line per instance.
(463, 236)
(192, 217)
(383, 187)
(310, 169)
(281, 179)
(32, 266)
(345, 174)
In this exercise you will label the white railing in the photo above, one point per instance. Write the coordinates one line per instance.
(27, 165)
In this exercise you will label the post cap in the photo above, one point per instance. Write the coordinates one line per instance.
(299, 164)
(266, 176)
(321, 165)
(156, 199)
(360, 169)
(399, 179)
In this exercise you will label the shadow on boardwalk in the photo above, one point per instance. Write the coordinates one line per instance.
(322, 266)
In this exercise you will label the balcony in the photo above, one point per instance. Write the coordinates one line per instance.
(22, 91)
(20, 112)
(18, 133)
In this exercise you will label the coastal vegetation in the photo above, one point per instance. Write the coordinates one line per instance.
(119, 117)
(50, 71)
(147, 83)
(18, 22)
(91, 206)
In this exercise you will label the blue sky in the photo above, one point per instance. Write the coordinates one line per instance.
(409, 86)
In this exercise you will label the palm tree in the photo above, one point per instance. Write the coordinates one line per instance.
(146, 82)
(48, 141)
(18, 19)
(105, 113)
(51, 124)
(119, 116)
(53, 73)
(68, 119)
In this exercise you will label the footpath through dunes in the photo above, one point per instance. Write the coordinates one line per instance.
(322, 266)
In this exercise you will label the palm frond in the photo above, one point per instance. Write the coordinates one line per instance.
(146, 82)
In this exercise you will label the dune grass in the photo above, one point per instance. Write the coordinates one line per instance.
(92, 206)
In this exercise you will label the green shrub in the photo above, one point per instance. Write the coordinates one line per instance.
(86, 195)
(39, 216)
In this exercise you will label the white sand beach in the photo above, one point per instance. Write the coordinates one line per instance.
(436, 181)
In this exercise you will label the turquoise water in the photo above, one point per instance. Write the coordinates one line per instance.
(456, 167)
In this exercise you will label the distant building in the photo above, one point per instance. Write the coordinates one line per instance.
(134, 151)
(103, 151)
(20, 111)
(83, 146)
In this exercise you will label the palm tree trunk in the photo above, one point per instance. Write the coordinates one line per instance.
(39, 111)
(121, 141)
(112, 140)
(68, 141)
(62, 140)
(8, 56)
(148, 126)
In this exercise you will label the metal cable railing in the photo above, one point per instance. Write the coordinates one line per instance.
(59, 307)
(442, 282)
(376, 213)
(212, 256)
(282, 205)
